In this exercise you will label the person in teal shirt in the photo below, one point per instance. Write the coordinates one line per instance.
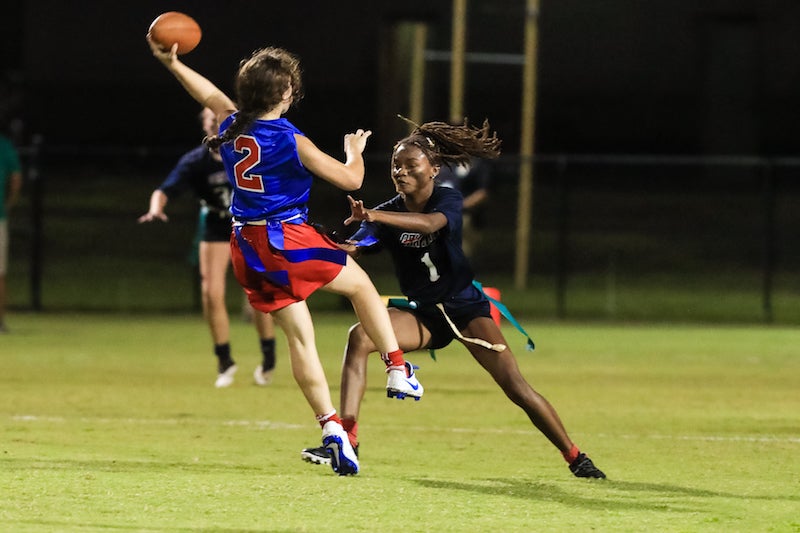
(10, 187)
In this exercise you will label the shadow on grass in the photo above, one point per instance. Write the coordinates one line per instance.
(661, 496)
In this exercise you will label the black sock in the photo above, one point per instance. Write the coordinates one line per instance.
(268, 353)
(223, 353)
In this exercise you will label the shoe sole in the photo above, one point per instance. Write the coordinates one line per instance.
(400, 395)
(339, 462)
(314, 458)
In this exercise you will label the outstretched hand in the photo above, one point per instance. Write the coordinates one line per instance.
(166, 56)
(357, 141)
(150, 217)
(358, 212)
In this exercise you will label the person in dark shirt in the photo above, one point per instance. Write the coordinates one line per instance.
(472, 180)
(200, 170)
(421, 229)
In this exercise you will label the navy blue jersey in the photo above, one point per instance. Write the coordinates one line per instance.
(430, 268)
(198, 171)
(466, 178)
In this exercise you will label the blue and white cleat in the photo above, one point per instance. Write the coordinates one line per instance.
(343, 458)
(403, 382)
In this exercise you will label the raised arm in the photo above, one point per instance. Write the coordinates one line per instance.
(347, 176)
(200, 88)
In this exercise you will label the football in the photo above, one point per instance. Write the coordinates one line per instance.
(174, 27)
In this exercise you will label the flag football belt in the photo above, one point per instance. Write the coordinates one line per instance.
(411, 304)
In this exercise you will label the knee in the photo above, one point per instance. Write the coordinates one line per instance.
(356, 336)
(358, 342)
(516, 388)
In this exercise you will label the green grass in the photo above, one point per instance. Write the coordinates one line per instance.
(111, 423)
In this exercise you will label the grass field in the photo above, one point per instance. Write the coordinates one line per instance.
(111, 423)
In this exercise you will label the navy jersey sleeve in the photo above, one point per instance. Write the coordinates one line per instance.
(180, 177)
(369, 234)
(450, 203)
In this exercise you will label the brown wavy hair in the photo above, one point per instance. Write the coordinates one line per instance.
(452, 145)
(260, 83)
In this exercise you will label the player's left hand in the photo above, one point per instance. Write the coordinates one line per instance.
(358, 212)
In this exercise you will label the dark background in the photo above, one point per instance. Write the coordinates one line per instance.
(654, 76)
(707, 230)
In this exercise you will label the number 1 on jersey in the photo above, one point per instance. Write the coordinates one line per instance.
(247, 145)
(433, 274)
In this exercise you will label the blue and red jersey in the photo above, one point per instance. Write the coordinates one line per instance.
(269, 181)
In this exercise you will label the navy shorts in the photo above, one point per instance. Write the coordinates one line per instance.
(462, 309)
(216, 226)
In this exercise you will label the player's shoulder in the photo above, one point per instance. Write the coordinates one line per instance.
(392, 204)
(278, 125)
(442, 193)
(198, 154)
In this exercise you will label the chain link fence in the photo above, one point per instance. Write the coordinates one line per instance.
(613, 237)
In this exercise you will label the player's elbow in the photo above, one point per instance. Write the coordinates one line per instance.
(352, 182)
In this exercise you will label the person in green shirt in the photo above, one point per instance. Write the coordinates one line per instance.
(10, 187)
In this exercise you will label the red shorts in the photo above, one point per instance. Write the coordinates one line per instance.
(285, 278)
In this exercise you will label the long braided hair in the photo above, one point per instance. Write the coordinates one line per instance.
(260, 83)
(452, 145)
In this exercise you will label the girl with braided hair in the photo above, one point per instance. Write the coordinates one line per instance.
(421, 229)
(277, 257)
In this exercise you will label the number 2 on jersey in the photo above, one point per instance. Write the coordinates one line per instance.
(247, 145)
(433, 274)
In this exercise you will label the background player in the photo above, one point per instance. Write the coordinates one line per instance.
(201, 171)
(471, 179)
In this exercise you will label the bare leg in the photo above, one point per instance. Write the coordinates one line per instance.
(356, 285)
(214, 260)
(410, 333)
(295, 321)
(264, 324)
(505, 371)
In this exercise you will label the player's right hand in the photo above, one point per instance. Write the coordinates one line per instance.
(149, 217)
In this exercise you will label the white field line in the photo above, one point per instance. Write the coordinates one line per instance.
(269, 425)
(259, 424)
